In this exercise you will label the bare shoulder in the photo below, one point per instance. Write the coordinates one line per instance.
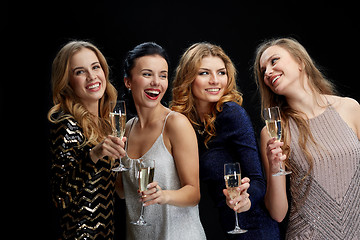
(349, 110)
(177, 121)
(344, 104)
(178, 127)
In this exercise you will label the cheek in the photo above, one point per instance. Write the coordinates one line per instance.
(76, 83)
(224, 81)
(164, 85)
(196, 87)
(267, 82)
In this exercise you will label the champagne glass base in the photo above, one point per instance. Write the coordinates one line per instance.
(282, 173)
(140, 222)
(120, 169)
(237, 231)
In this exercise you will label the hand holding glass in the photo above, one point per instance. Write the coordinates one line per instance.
(273, 125)
(232, 175)
(145, 175)
(118, 122)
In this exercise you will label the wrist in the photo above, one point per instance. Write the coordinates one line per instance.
(93, 156)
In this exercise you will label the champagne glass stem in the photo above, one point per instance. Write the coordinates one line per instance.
(142, 213)
(236, 222)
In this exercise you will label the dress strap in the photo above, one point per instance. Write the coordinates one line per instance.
(165, 121)
(128, 135)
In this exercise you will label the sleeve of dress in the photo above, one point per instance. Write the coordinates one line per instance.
(243, 146)
(69, 162)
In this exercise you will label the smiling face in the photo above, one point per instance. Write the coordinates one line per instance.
(148, 81)
(211, 81)
(280, 69)
(87, 77)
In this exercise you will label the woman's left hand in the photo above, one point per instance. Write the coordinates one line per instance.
(153, 195)
(241, 203)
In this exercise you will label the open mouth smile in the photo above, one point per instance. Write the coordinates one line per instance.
(273, 81)
(93, 87)
(152, 94)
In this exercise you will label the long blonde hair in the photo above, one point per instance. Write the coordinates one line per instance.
(318, 85)
(66, 103)
(183, 99)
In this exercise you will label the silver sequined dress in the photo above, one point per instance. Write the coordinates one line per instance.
(331, 208)
(167, 221)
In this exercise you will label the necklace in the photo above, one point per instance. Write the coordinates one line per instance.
(201, 132)
(201, 129)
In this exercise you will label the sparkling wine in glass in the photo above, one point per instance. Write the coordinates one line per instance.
(145, 175)
(232, 175)
(118, 122)
(273, 125)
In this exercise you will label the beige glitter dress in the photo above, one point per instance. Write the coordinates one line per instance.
(326, 204)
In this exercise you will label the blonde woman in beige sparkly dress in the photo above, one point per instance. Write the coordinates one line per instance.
(320, 145)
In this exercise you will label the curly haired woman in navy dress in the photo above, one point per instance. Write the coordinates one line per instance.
(205, 91)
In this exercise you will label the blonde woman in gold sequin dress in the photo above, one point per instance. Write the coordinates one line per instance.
(320, 145)
(83, 184)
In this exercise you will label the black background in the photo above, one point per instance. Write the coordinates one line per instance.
(34, 32)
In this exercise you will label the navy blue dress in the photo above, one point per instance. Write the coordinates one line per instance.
(235, 142)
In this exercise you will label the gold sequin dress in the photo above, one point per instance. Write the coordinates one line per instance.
(82, 191)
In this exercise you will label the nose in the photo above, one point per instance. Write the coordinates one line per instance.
(268, 73)
(91, 76)
(155, 81)
(213, 79)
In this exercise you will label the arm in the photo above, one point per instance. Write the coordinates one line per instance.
(275, 197)
(69, 161)
(185, 152)
(241, 137)
(119, 188)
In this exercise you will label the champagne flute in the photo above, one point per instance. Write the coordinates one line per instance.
(118, 122)
(145, 175)
(273, 125)
(232, 175)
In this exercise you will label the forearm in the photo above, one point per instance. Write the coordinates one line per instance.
(186, 196)
(183, 197)
(276, 198)
(256, 192)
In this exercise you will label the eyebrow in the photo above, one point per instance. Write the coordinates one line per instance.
(77, 68)
(145, 69)
(263, 68)
(209, 69)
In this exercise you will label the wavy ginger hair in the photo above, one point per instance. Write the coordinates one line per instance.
(183, 100)
(66, 103)
(318, 85)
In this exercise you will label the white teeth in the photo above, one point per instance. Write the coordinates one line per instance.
(272, 82)
(212, 89)
(94, 86)
(152, 92)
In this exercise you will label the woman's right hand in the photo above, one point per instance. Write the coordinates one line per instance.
(112, 147)
(274, 155)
